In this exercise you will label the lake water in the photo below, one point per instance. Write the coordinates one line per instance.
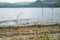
(47, 17)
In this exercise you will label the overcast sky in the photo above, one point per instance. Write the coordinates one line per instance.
(12, 1)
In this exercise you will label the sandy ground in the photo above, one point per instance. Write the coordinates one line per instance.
(33, 32)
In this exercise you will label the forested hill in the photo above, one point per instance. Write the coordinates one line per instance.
(46, 3)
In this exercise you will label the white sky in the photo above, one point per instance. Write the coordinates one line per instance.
(12, 1)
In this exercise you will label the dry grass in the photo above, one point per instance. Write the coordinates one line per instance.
(34, 32)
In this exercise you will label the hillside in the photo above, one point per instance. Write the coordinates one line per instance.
(29, 4)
